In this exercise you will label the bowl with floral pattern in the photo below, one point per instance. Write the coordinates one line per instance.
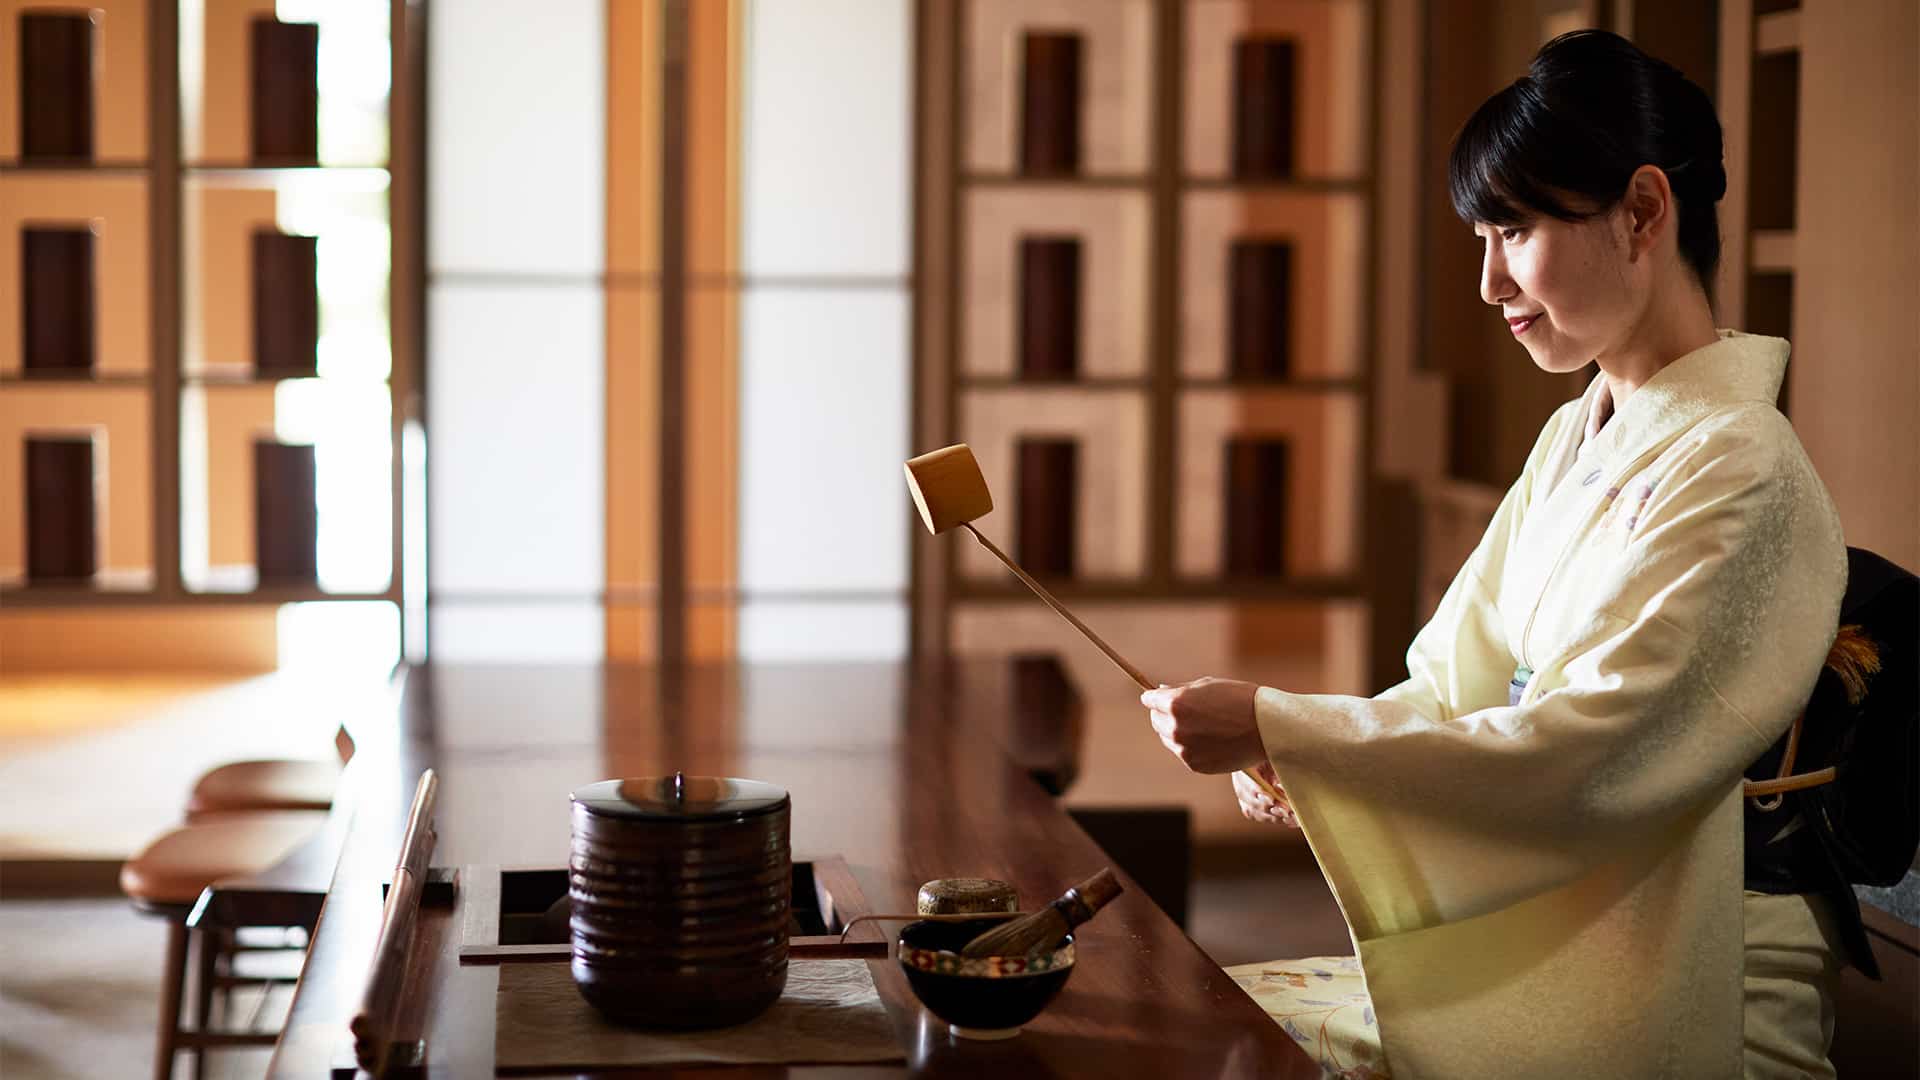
(986, 997)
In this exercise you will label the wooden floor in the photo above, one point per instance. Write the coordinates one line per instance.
(94, 767)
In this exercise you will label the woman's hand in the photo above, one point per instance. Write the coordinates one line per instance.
(1208, 724)
(1257, 805)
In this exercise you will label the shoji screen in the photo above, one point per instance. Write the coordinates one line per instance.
(516, 329)
(824, 364)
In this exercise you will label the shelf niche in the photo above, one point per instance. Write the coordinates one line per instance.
(286, 114)
(56, 86)
(1259, 309)
(1049, 308)
(286, 305)
(1264, 91)
(1044, 511)
(1050, 83)
(57, 278)
(63, 496)
(1256, 508)
(286, 522)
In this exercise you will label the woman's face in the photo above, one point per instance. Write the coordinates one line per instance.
(1567, 289)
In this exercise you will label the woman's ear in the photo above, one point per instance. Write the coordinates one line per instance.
(1649, 206)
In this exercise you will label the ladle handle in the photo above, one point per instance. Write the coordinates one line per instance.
(1133, 673)
(1041, 591)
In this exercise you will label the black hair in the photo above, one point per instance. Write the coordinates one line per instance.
(1565, 138)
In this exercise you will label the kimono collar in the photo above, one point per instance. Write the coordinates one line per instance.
(1737, 368)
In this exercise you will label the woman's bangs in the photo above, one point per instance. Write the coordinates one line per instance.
(1493, 171)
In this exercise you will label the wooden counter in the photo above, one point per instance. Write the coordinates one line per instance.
(906, 774)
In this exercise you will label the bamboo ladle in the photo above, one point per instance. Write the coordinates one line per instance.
(949, 490)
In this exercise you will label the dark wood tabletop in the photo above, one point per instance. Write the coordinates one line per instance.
(907, 773)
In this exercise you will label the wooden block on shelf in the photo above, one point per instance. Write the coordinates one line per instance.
(1050, 104)
(1263, 108)
(63, 538)
(1259, 311)
(1047, 484)
(56, 85)
(56, 274)
(1049, 307)
(1256, 508)
(286, 305)
(286, 118)
(286, 522)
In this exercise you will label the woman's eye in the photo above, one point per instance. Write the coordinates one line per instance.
(1510, 235)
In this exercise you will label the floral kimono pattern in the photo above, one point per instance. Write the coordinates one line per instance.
(1322, 1003)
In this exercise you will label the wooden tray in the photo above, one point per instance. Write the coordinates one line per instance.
(503, 923)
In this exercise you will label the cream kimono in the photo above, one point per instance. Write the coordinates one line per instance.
(1554, 888)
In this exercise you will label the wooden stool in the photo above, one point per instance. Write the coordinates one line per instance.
(268, 785)
(263, 785)
(167, 878)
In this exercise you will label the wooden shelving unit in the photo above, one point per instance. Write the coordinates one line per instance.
(155, 125)
(1157, 193)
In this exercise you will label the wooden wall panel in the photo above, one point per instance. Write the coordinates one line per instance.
(120, 88)
(1327, 235)
(1330, 50)
(235, 416)
(116, 208)
(221, 129)
(217, 232)
(1325, 463)
(1111, 429)
(125, 414)
(1111, 227)
(1855, 375)
(1116, 91)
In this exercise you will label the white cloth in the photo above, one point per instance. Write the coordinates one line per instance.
(1556, 886)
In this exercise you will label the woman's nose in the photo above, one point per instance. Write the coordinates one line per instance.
(1495, 286)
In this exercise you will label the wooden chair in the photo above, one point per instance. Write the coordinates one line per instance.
(167, 879)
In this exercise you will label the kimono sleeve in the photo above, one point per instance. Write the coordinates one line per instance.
(1436, 801)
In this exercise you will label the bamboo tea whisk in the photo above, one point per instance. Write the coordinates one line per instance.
(949, 490)
(1043, 929)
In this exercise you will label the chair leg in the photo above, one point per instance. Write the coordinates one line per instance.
(172, 981)
(207, 953)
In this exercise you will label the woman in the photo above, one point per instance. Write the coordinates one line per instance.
(1548, 883)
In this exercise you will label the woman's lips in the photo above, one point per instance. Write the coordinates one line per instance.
(1519, 326)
